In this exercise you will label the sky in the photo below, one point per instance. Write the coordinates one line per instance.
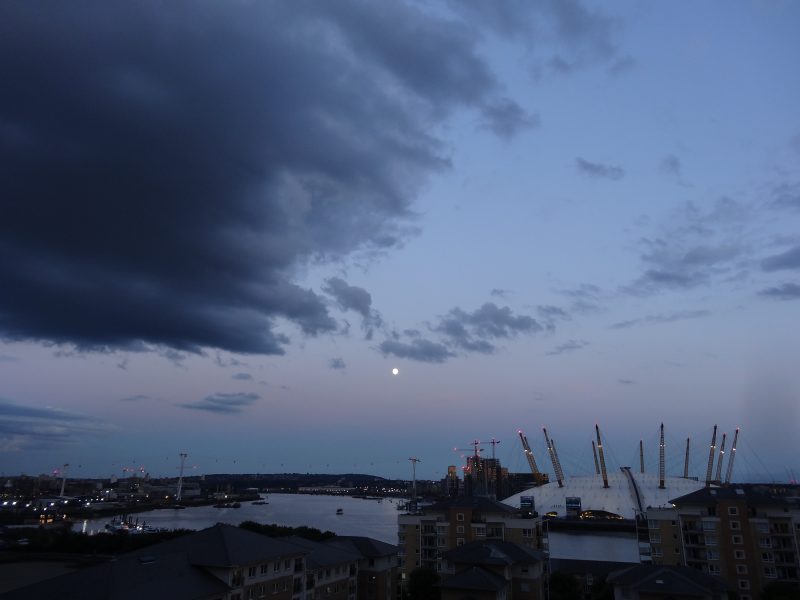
(224, 224)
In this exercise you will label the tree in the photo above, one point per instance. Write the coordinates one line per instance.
(423, 584)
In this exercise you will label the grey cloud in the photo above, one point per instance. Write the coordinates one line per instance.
(222, 403)
(663, 318)
(626, 381)
(337, 364)
(599, 170)
(25, 427)
(786, 196)
(134, 398)
(242, 376)
(499, 293)
(671, 165)
(419, 349)
(785, 291)
(159, 136)
(472, 331)
(568, 346)
(7, 358)
(786, 260)
(351, 297)
(696, 247)
(622, 65)
(585, 298)
(505, 118)
(552, 312)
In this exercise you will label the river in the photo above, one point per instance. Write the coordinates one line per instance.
(369, 518)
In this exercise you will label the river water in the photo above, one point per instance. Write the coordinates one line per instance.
(362, 517)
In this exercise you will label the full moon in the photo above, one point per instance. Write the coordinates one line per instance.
(395, 371)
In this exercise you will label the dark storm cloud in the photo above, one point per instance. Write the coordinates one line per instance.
(223, 403)
(167, 166)
(568, 346)
(27, 427)
(599, 170)
(664, 318)
(242, 376)
(786, 291)
(419, 349)
(337, 364)
(786, 260)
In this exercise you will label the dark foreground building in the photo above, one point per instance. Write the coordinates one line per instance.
(228, 563)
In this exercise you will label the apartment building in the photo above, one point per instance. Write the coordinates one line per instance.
(664, 534)
(425, 535)
(228, 563)
(747, 534)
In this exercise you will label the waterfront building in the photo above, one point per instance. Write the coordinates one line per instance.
(426, 534)
(748, 534)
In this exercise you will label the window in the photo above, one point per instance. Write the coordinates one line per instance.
(762, 527)
(657, 551)
(460, 529)
(459, 541)
(526, 533)
(287, 564)
(770, 573)
(480, 531)
(735, 525)
(264, 568)
(275, 588)
(736, 540)
(655, 538)
(711, 540)
(713, 569)
(764, 542)
(276, 566)
(459, 516)
(738, 554)
(744, 584)
(767, 557)
(741, 569)
(713, 554)
(251, 572)
(651, 524)
(733, 511)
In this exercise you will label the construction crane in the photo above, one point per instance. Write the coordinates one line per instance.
(729, 472)
(529, 453)
(494, 443)
(179, 491)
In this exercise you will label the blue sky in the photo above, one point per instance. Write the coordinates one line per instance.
(223, 233)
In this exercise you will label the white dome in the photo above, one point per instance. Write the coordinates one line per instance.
(619, 498)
